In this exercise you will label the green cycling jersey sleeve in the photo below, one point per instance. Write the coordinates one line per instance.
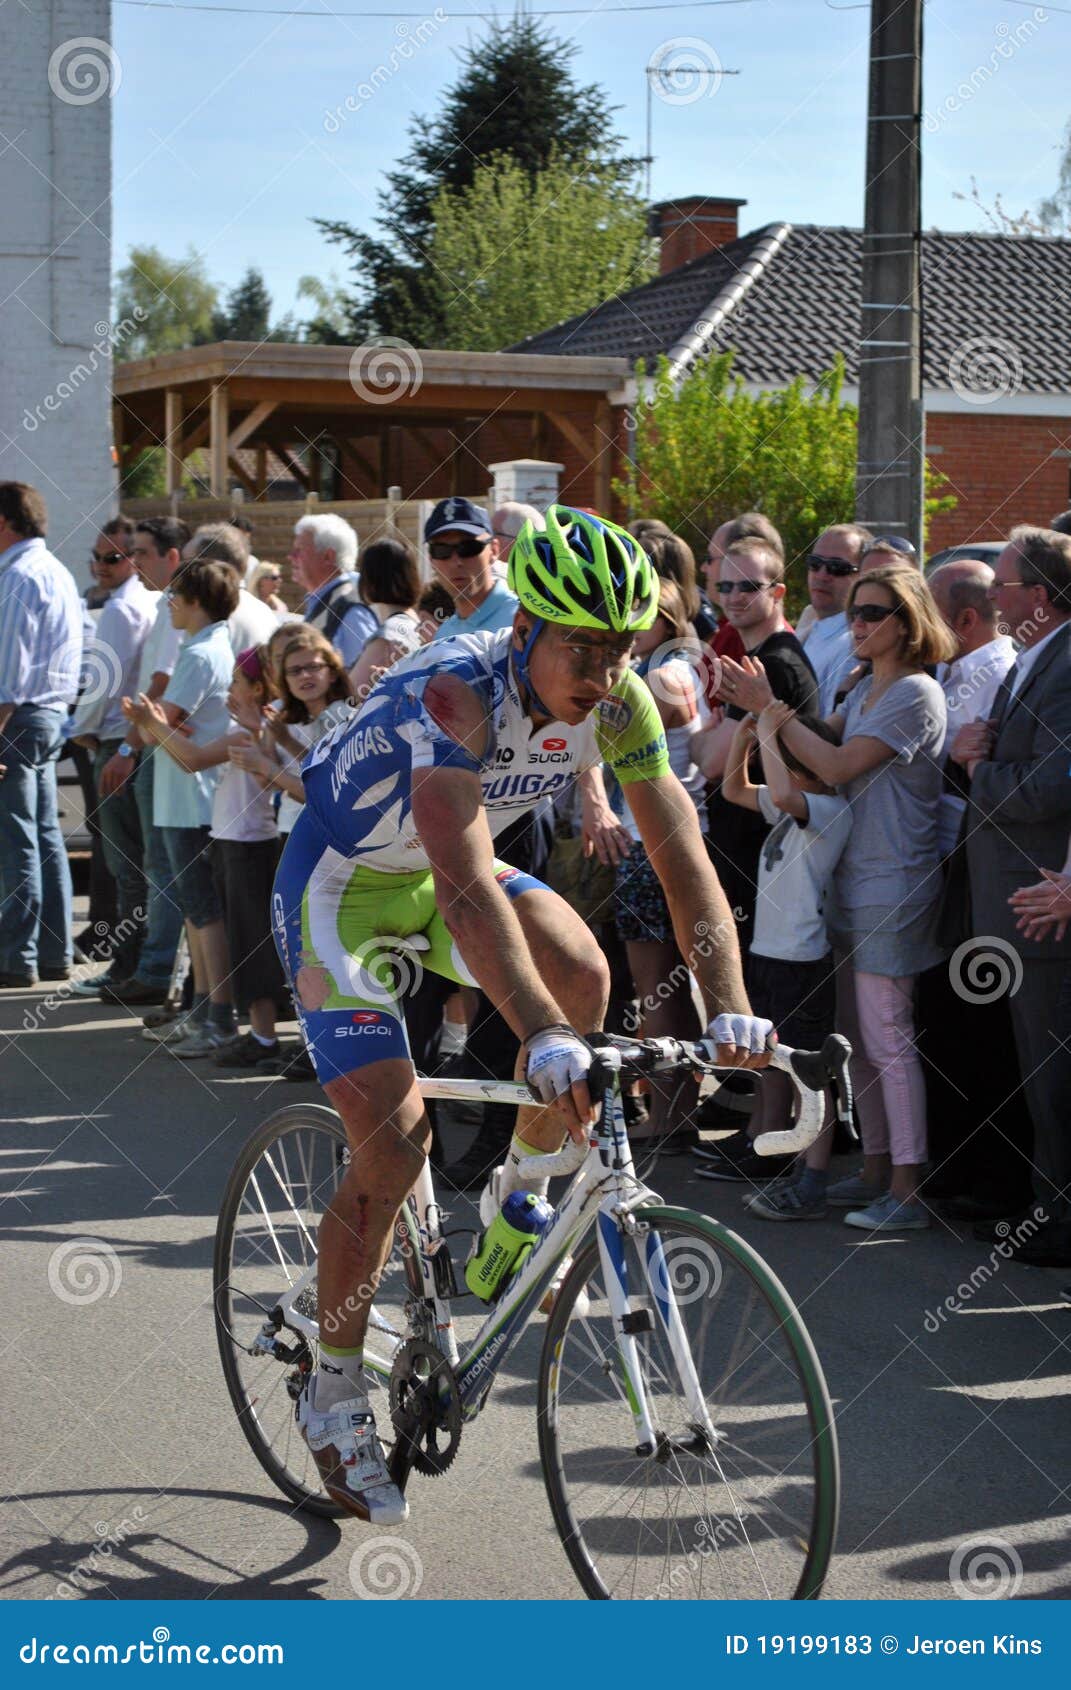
(629, 732)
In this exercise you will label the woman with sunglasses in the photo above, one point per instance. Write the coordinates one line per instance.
(887, 885)
(264, 585)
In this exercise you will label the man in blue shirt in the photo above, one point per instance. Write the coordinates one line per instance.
(323, 556)
(40, 661)
(462, 553)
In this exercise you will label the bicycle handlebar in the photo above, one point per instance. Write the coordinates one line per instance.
(811, 1072)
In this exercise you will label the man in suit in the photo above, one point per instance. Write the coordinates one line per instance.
(1018, 812)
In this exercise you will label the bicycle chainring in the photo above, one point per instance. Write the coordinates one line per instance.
(425, 1408)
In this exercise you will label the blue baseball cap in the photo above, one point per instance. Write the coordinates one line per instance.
(460, 515)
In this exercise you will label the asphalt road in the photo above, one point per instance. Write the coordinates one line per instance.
(128, 1474)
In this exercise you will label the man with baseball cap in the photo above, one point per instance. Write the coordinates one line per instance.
(461, 550)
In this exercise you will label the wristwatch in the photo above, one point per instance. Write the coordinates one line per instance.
(125, 750)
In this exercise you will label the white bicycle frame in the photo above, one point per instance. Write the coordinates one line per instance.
(604, 1193)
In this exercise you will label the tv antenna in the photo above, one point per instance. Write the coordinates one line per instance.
(683, 71)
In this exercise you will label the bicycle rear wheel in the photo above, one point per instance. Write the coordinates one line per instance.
(747, 1513)
(266, 1237)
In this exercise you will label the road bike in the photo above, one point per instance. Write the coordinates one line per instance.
(686, 1435)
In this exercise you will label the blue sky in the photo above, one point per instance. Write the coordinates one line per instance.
(224, 138)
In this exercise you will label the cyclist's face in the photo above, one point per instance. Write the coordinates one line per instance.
(574, 669)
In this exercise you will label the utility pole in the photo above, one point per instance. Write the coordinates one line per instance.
(889, 470)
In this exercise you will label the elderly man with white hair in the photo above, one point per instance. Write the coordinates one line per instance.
(507, 522)
(323, 556)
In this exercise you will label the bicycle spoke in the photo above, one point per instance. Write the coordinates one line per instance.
(705, 1513)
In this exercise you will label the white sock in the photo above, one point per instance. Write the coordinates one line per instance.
(511, 1179)
(338, 1377)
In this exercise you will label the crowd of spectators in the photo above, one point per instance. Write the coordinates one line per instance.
(884, 785)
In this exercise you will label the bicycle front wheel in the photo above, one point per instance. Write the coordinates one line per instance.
(738, 1496)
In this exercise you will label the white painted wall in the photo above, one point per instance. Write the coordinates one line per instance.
(57, 79)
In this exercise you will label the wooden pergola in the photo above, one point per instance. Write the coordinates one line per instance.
(383, 415)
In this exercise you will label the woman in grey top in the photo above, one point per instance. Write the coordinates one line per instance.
(886, 886)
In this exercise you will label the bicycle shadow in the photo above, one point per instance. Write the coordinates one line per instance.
(125, 1564)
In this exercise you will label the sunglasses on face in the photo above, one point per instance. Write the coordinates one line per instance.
(107, 557)
(832, 565)
(871, 613)
(724, 588)
(442, 550)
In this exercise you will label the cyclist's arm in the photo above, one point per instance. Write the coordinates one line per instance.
(703, 922)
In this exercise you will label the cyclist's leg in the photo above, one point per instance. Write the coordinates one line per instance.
(334, 924)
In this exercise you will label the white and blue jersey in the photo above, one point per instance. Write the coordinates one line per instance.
(358, 779)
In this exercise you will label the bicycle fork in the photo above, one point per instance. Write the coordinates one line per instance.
(630, 1322)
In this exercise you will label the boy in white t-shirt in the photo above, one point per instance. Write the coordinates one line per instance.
(790, 965)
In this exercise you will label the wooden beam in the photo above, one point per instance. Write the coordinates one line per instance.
(249, 425)
(568, 428)
(360, 460)
(219, 418)
(262, 472)
(247, 480)
(297, 470)
(198, 437)
(173, 462)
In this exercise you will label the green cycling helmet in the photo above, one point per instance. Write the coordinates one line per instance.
(584, 572)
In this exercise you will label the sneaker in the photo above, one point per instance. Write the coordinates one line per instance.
(299, 1067)
(349, 1457)
(163, 1016)
(785, 1202)
(752, 1169)
(245, 1051)
(133, 991)
(736, 1144)
(202, 1040)
(888, 1214)
(852, 1193)
(92, 988)
(169, 1032)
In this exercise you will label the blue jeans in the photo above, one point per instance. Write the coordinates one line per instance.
(164, 924)
(120, 831)
(35, 877)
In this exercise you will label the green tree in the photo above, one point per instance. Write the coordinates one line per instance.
(168, 303)
(329, 324)
(247, 313)
(707, 449)
(505, 249)
(516, 95)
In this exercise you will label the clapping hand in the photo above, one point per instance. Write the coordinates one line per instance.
(245, 754)
(1043, 906)
(744, 684)
(773, 718)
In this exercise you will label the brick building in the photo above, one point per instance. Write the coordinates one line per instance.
(996, 341)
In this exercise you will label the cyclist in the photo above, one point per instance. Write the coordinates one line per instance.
(403, 801)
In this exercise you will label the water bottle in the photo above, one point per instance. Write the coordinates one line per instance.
(502, 1249)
